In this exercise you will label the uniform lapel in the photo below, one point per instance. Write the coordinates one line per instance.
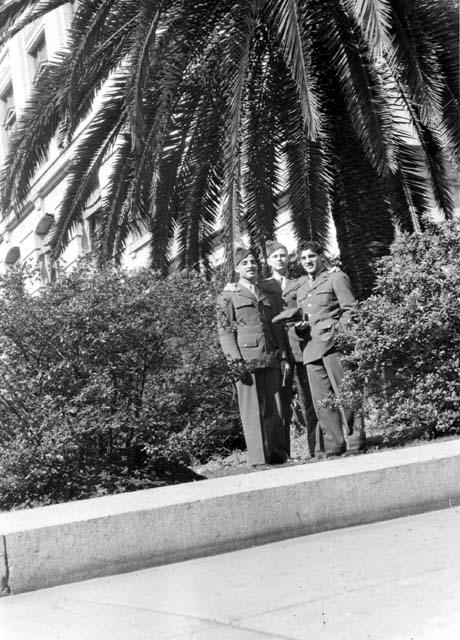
(291, 285)
(319, 280)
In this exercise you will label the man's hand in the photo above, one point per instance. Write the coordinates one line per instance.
(246, 378)
(301, 328)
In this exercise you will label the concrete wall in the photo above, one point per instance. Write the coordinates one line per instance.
(102, 536)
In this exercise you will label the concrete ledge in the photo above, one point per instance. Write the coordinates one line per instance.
(89, 538)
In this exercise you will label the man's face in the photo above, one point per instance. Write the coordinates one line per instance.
(247, 268)
(278, 260)
(311, 262)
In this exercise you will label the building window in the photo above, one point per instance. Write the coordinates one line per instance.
(38, 55)
(90, 222)
(88, 237)
(44, 233)
(12, 257)
(47, 268)
(8, 109)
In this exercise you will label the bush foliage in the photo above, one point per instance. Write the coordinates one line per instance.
(404, 346)
(112, 380)
(109, 381)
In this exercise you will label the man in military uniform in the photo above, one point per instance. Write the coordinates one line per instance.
(326, 299)
(248, 336)
(284, 291)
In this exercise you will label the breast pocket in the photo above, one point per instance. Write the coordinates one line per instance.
(246, 312)
(323, 298)
(248, 342)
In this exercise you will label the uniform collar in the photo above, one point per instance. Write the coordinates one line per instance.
(244, 291)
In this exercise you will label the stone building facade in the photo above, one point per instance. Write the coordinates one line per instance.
(26, 237)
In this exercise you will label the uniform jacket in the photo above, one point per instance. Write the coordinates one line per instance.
(327, 303)
(287, 299)
(245, 328)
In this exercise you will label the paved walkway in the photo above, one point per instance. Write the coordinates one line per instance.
(392, 580)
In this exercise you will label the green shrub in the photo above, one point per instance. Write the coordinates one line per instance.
(109, 381)
(404, 346)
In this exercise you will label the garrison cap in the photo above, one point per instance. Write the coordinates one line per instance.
(240, 254)
(273, 245)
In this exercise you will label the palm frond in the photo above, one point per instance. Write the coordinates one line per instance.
(100, 40)
(286, 19)
(195, 200)
(306, 174)
(449, 126)
(33, 133)
(407, 188)
(433, 148)
(148, 21)
(236, 49)
(361, 213)
(115, 199)
(261, 173)
(442, 25)
(359, 83)
(91, 152)
(414, 61)
(374, 20)
(127, 222)
(176, 171)
(435, 154)
(15, 16)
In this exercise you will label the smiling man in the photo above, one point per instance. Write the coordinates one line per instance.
(249, 338)
(284, 289)
(326, 299)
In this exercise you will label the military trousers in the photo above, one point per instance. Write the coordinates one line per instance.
(325, 376)
(261, 411)
(298, 377)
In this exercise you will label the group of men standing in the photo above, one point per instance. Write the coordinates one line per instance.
(284, 332)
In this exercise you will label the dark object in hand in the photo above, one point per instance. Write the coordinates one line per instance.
(246, 378)
(288, 315)
(302, 329)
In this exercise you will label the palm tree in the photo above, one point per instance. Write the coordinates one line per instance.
(213, 110)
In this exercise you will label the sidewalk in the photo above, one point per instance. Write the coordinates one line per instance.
(392, 580)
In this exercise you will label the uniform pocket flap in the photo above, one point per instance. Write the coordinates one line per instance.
(250, 341)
